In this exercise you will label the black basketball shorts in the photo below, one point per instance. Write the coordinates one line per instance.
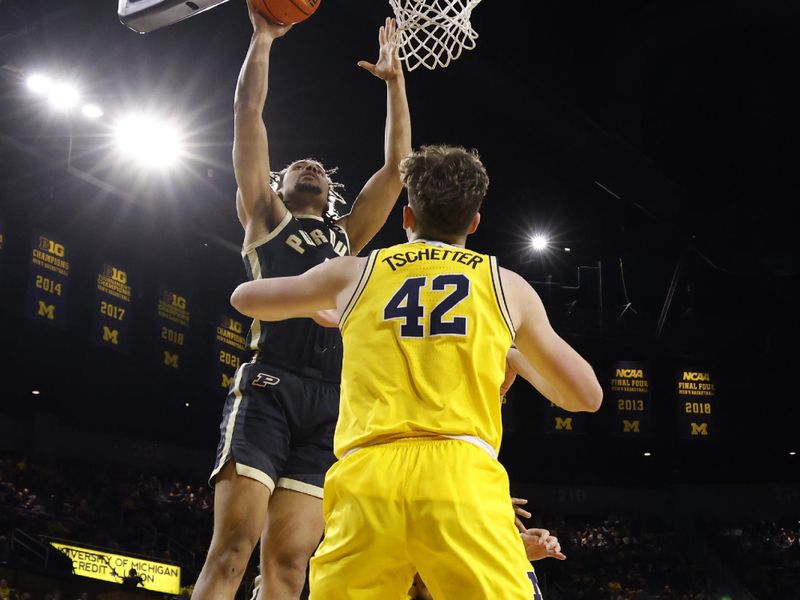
(278, 428)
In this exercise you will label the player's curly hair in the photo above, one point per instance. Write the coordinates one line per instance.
(334, 189)
(446, 186)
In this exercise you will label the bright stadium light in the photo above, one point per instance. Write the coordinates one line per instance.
(647, 454)
(63, 96)
(35, 392)
(39, 84)
(91, 111)
(152, 142)
(538, 242)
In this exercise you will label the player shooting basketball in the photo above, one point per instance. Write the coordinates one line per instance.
(279, 417)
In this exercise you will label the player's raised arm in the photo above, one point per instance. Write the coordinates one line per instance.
(326, 286)
(259, 208)
(560, 373)
(375, 201)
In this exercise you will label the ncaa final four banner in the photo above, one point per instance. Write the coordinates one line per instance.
(629, 396)
(229, 350)
(172, 328)
(112, 308)
(46, 298)
(696, 394)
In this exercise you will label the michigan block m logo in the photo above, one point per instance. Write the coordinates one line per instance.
(699, 429)
(564, 423)
(47, 310)
(630, 426)
(110, 335)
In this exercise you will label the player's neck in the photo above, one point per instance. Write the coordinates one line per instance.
(305, 211)
(453, 240)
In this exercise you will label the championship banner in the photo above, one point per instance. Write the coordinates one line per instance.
(172, 327)
(229, 351)
(629, 395)
(112, 307)
(46, 299)
(696, 395)
(557, 421)
(98, 564)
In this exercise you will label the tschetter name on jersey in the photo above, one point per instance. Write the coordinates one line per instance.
(298, 241)
(401, 259)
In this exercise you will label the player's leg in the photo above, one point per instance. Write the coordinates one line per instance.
(363, 555)
(293, 531)
(295, 523)
(240, 508)
(253, 446)
(462, 535)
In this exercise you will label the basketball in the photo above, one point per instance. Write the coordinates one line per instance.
(285, 12)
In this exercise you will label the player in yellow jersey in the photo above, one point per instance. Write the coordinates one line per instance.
(426, 327)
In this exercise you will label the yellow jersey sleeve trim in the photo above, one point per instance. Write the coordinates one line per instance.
(500, 296)
(360, 287)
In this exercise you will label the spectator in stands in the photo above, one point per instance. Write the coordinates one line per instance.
(5, 591)
(132, 579)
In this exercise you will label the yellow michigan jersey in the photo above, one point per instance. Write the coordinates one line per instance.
(425, 336)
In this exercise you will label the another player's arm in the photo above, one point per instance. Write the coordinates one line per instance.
(326, 286)
(259, 207)
(375, 201)
(561, 374)
(520, 366)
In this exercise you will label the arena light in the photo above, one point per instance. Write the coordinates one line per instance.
(63, 96)
(91, 111)
(39, 83)
(539, 242)
(148, 140)
(792, 453)
(647, 454)
(35, 392)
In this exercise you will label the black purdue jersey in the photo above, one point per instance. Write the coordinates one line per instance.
(293, 247)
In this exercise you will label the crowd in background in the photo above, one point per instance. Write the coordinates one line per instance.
(610, 557)
(621, 558)
(156, 516)
(765, 555)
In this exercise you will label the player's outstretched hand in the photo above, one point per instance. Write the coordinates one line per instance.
(540, 544)
(264, 25)
(388, 66)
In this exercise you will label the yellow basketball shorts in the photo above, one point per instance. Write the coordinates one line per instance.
(439, 507)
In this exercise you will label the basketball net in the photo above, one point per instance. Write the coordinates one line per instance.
(431, 33)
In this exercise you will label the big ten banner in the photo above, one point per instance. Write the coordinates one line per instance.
(557, 421)
(629, 396)
(46, 299)
(98, 564)
(229, 350)
(696, 395)
(172, 327)
(112, 307)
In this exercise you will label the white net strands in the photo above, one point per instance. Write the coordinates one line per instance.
(431, 33)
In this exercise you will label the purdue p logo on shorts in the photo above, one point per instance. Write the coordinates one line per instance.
(263, 380)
